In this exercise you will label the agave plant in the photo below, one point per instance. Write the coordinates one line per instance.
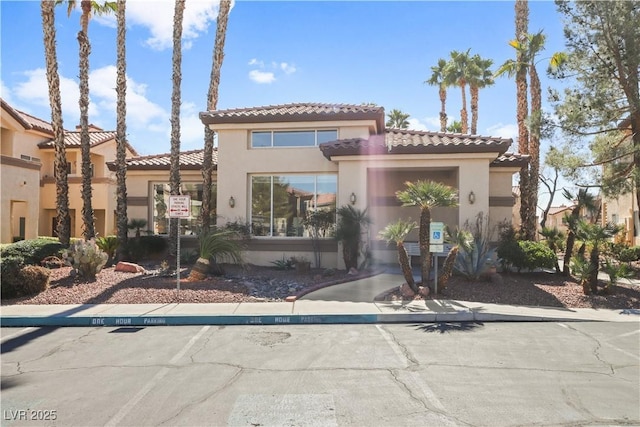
(214, 247)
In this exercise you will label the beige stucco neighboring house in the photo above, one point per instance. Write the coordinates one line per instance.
(270, 159)
(148, 190)
(28, 183)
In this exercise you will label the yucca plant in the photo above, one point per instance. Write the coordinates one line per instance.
(553, 238)
(582, 270)
(215, 246)
(108, 244)
(397, 232)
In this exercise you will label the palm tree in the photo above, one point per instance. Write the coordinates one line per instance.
(460, 239)
(439, 77)
(458, 71)
(481, 76)
(455, 127)
(88, 7)
(214, 246)
(121, 130)
(212, 104)
(426, 195)
(397, 232)
(596, 234)
(63, 226)
(583, 201)
(397, 120)
(351, 223)
(553, 238)
(174, 171)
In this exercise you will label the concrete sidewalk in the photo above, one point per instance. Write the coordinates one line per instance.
(351, 302)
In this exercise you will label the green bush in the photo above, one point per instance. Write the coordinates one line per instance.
(86, 258)
(20, 280)
(629, 254)
(33, 251)
(153, 244)
(134, 250)
(526, 255)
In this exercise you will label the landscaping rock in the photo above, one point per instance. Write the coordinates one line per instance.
(406, 291)
(424, 291)
(129, 267)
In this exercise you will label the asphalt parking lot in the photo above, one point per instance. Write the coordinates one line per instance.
(493, 374)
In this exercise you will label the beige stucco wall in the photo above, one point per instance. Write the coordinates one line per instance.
(19, 185)
(237, 161)
(624, 208)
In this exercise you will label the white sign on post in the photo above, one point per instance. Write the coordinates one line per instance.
(436, 241)
(179, 206)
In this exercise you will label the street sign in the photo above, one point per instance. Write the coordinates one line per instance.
(436, 240)
(179, 206)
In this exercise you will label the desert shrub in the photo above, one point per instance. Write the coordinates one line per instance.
(10, 267)
(134, 250)
(33, 251)
(527, 255)
(475, 257)
(153, 244)
(629, 254)
(284, 264)
(241, 228)
(188, 256)
(508, 249)
(20, 280)
(85, 257)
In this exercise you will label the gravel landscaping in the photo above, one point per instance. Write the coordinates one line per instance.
(263, 284)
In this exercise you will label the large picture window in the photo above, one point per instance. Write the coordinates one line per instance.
(297, 138)
(281, 203)
(188, 226)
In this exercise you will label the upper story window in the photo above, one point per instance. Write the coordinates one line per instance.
(294, 138)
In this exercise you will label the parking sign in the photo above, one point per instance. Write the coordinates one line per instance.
(436, 233)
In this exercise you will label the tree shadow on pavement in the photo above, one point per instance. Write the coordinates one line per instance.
(446, 327)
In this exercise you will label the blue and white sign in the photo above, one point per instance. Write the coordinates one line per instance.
(436, 240)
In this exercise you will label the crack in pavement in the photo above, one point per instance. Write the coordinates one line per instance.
(596, 350)
(208, 396)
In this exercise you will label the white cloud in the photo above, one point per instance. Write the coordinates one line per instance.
(5, 93)
(191, 128)
(288, 68)
(262, 77)
(504, 131)
(257, 62)
(415, 124)
(157, 17)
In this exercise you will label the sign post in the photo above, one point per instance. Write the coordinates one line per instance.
(436, 245)
(179, 207)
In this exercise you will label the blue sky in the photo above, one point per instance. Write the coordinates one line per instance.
(276, 52)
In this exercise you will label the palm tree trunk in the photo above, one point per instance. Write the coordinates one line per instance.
(464, 118)
(85, 143)
(534, 146)
(594, 260)
(447, 268)
(405, 266)
(443, 109)
(212, 103)
(424, 242)
(571, 238)
(474, 108)
(60, 162)
(121, 131)
(174, 173)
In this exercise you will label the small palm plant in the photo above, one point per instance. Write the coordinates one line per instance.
(582, 270)
(615, 272)
(214, 246)
(426, 195)
(595, 234)
(460, 239)
(109, 245)
(137, 224)
(351, 223)
(397, 232)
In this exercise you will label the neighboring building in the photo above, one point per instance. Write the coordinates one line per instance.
(271, 159)
(148, 190)
(555, 218)
(28, 183)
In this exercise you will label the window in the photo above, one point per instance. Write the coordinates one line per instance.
(280, 204)
(68, 168)
(188, 226)
(297, 138)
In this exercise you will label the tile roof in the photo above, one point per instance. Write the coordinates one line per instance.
(72, 139)
(511, 160)
(400, 141)
(295, 113)
(555, 210)
(189, 160)
(27, 120)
